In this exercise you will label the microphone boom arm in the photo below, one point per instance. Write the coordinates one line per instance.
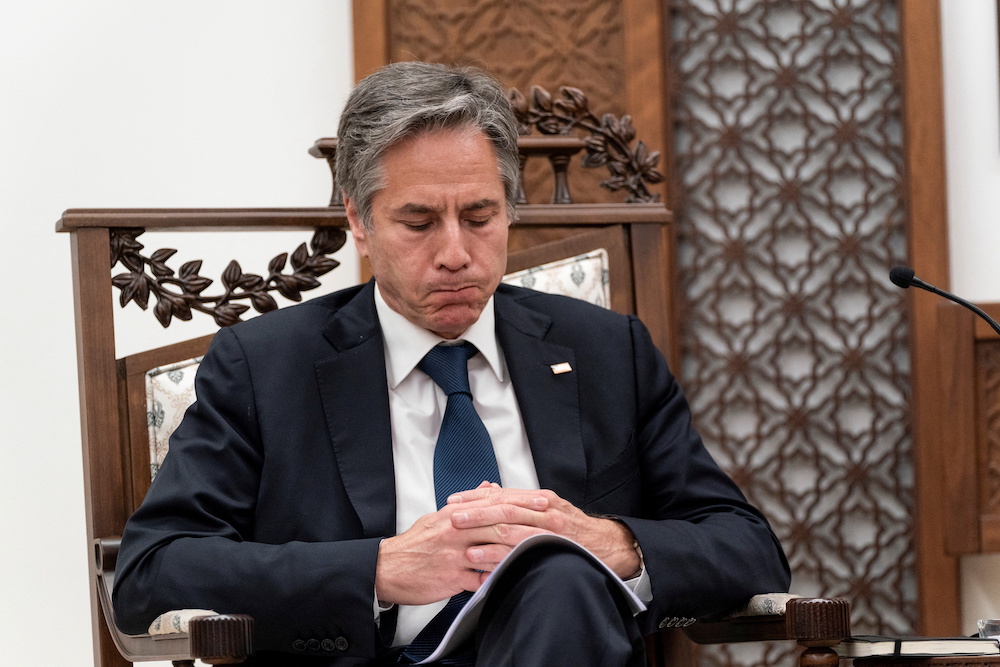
(903, 277)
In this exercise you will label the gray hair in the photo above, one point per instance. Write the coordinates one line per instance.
(405, 99)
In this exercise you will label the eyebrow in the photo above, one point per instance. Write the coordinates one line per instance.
(422, 209)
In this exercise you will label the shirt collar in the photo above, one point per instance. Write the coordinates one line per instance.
(406, 343)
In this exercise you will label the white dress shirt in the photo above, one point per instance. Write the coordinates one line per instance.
(416, 409)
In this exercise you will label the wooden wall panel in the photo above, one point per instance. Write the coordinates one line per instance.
(923, 130)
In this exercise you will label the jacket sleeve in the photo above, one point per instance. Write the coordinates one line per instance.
(706, 549)
(193, 542)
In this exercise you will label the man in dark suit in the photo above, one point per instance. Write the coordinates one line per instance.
(300, 487)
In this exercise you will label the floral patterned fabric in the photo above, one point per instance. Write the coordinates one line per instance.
(176, 621)
(767, 604)
(169, 392)
(585, 277)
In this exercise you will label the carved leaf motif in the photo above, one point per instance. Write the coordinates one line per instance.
(157, 262)
(178, 296)
(574, 101)
(124, 243)
(287, 288)
(608, 139)
(327, 241)
(231, 276)
(300, 256)
(228, 314)
(163, 312)
(189, 269)
(277, 265)
(263, 302)
(542, 98)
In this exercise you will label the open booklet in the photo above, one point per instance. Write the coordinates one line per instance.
(464, 624)
(871, 646)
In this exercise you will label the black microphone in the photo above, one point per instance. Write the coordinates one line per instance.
(902, 276)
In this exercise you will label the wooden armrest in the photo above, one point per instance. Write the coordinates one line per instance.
(183, 635)
(812, 622)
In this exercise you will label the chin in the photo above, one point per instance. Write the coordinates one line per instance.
(453, 326)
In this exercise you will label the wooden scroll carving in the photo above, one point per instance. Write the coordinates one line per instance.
(179, 293)
(608, 139)
(608, 142)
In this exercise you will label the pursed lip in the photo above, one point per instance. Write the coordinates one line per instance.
(453, 290)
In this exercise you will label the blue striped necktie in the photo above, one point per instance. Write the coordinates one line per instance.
(463, 458)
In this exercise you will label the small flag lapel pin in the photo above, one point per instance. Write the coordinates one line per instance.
(559, 369)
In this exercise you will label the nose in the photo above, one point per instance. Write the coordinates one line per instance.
(452, 252)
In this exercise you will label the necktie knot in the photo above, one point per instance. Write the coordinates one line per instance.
(448, 366)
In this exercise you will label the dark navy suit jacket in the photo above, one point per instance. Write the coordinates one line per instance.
(279, 482)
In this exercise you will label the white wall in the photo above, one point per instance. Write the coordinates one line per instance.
(116, 103)
(972, 116)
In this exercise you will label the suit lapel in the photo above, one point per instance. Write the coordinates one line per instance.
(549, 401)
(355, 398)
(353, 386)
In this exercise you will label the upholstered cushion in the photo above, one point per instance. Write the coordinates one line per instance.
(585, 277)
(169, 392)
(176, 621)
(766, 604)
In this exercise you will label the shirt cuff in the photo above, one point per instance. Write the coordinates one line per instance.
(378, 609)
(641, 585)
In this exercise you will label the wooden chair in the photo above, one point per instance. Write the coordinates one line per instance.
(969, 427)
(628, 241)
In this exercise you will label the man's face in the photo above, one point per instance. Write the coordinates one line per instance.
(438, 244)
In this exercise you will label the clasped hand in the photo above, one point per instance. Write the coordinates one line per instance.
(455, 548)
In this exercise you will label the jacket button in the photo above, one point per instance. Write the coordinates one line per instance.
(312, 644)
(299, 645)
(329, 645)
(341, 644)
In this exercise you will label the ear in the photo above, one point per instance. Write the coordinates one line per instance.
(357, 228)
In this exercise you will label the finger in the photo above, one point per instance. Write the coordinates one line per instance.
(486, 489)
(471, 580)
(487, 556)
(494, 495)
(491, 515)
(501, 534)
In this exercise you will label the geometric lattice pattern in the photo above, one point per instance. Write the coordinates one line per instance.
(545, 36)
(789, 214)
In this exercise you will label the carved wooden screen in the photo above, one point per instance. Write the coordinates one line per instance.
(789, 210)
